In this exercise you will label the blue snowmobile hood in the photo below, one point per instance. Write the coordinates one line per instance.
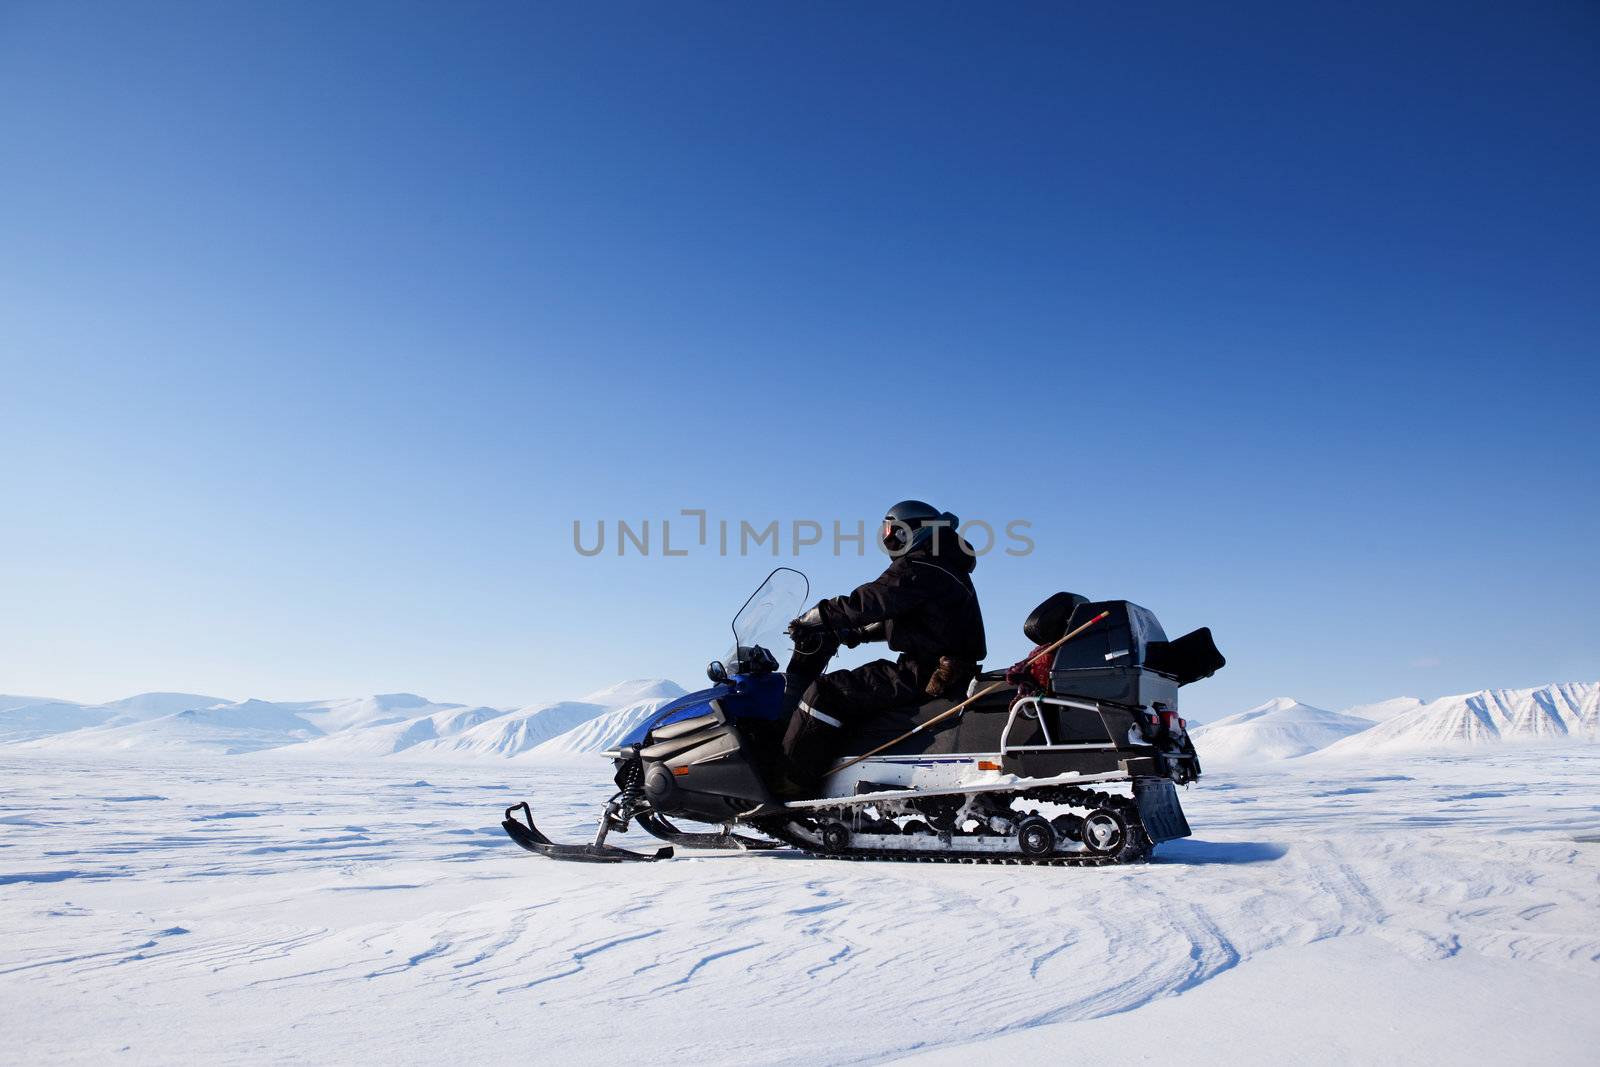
(744, 696)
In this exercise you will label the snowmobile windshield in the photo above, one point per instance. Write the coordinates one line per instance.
(765, 616)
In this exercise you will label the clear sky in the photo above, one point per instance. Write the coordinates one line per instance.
(320, 324)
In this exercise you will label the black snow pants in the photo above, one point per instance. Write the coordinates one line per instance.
(824, 705)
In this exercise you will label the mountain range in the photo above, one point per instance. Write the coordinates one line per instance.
(409, 726)
(391, 724)
(1284, 728)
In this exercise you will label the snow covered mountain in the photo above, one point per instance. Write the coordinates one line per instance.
(231, 729)
(404, 724)
(8, 701)
(525, 729)
(1563, 712)
(515, 732)
(1279, 729)
(631, 692)
(386, 724)
(154, 705)
(601, 732)
(334, 715)
(28, 718)
(1384, 710)
(40, 718)
(387, 738)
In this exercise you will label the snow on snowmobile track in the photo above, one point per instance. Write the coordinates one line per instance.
(268, 910)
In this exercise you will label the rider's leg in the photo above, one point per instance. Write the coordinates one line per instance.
(817, 725)
(806, 666)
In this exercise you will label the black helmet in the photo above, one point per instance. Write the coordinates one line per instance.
(903, 525)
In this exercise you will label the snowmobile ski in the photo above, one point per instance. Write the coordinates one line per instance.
(530, 838)
(657, 825)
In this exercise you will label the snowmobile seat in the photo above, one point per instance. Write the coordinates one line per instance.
(975, 729)
(1049, 621)
(1188, 658)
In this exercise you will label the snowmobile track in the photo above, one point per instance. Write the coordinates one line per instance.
(1137, 847)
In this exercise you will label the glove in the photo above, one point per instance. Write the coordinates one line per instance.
(807, 625)
(1028, 676)
(851, 636)
(950, 677)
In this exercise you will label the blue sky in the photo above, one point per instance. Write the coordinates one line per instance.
(320, 324)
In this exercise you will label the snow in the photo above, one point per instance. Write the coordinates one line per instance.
(27, 718)
(280, 908)
(373, 726)
(152, 705)
(405, 724)
(388, 738)
(1284, 728)
(230, 730)
(594, 722)
(632, 692)
(1279, 729)
(8, 701)
(515, 733)
(1343, 1000)
(333, 715)
(1566, 712)
(1384, 710)
(41, 718)
(599, 733)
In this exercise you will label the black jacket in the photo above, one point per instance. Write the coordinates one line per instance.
(925, 601)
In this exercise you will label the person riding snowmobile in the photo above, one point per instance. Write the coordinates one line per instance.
(923, 605)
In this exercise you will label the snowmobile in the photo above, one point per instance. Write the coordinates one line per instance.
(1088, 730)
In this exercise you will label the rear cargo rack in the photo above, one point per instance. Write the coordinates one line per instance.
(1030, 708)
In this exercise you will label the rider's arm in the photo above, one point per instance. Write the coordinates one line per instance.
(893, 594)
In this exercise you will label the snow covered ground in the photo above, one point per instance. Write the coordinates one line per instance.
(278, 909)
